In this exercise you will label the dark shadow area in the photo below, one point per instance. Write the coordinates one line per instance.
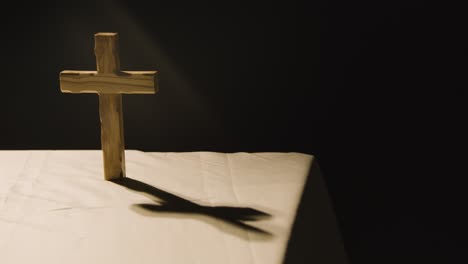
(170, 203)
(315, 237)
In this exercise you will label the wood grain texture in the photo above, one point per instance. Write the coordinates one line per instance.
(124, 82)
(112, 135)
(106, 50)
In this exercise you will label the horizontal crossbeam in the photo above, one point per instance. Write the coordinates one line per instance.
(124, 82)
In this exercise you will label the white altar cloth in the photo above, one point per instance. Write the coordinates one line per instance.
(56, 207)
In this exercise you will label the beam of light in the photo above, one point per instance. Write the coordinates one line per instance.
(148, 45)
(172, 106)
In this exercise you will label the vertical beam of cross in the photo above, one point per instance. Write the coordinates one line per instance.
(106, 50)
(110, 83)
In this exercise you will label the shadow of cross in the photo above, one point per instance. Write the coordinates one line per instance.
(171, 203)
(110, 83)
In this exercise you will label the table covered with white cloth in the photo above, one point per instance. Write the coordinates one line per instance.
(193, 207)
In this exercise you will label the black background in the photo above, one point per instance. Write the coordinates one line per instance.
(374, 90)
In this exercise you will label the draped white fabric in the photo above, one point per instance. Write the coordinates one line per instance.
(194, 207)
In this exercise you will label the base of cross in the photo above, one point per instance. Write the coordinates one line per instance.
(110, 83)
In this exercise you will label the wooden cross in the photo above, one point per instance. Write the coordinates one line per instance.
(109, 83)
